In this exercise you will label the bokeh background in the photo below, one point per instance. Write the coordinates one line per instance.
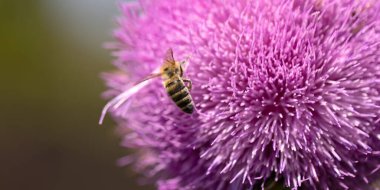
(51, 56)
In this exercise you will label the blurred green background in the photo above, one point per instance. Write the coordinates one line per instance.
(51, 56)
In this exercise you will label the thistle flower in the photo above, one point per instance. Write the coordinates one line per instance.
(283, 89)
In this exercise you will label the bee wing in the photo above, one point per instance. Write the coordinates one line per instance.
(127, 94)
(169, 58)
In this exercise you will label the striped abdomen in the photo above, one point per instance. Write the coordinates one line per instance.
(179, 93)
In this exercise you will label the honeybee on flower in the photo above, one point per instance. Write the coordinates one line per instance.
(288, 90)
(171, 72)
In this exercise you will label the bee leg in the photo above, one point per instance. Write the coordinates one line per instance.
(188, 83)
(185, 62)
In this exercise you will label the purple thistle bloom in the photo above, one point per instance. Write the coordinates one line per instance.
(289, 89)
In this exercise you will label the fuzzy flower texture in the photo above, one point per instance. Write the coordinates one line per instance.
(284, 90)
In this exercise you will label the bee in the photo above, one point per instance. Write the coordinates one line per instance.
(177, 87)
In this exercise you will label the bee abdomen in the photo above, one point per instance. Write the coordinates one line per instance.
(174, 87)
(183, 100)
(179, 94)
(170, 82)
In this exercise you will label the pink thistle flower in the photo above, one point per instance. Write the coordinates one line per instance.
(283, 89)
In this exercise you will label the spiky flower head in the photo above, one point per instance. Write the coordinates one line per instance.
(287, 90)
